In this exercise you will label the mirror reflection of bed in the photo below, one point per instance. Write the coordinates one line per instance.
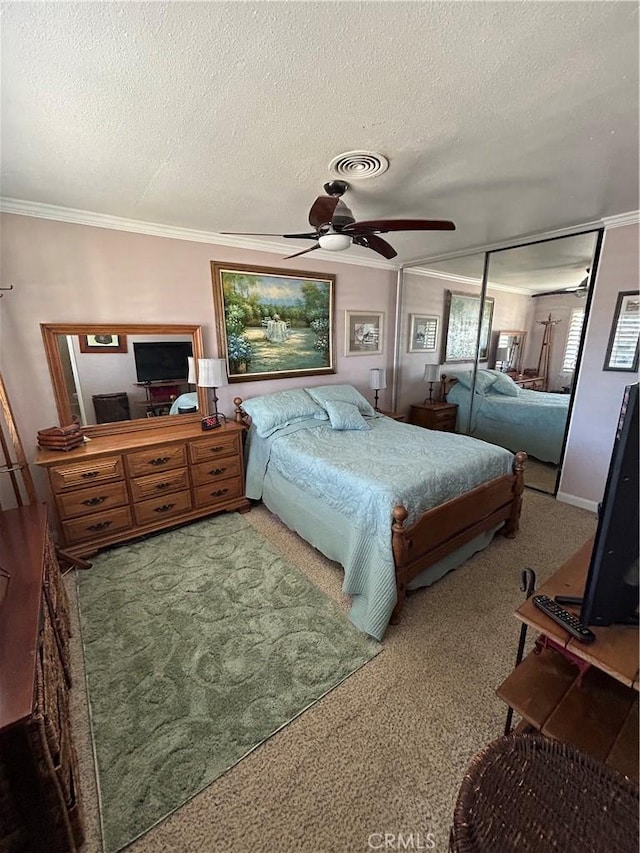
(540, 297)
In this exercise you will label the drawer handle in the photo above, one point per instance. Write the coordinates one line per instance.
(164, 508)
(94, 501)
(219, 493)
(162, 486)
(216, 449)
(87, 475)
(159, 460)
(100, 526)
(217, 470)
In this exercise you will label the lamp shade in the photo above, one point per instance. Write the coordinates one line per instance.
(212, 372)
(192, 378)
(431, 372)
(378, 378)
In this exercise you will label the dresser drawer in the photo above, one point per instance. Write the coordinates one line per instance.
(220, 445)
(95, 526)
(447, 424)
(82, 473)
(162, 483)
(218, 492)
(216, 469)
(96, 499)
(161, 458)
(165, 506)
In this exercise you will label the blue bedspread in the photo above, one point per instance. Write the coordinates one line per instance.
(359, 476)
(534, 421)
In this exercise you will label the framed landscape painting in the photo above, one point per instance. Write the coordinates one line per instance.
(462, 314)
(273, 323)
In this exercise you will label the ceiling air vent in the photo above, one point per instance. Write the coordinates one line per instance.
(359, 164)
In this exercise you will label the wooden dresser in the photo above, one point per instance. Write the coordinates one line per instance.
(436, 415)
(40, 807)
(118, 487)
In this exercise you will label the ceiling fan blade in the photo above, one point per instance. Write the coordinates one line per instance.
(556, 292)
(370, 241)
(303, 252)
(322, 210)
(311, 236)
(382, 226)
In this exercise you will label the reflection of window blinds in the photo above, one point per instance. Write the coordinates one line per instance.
(573, 341)
(626, 338)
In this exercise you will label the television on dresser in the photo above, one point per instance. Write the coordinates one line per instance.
(611, 591)
(161, 361)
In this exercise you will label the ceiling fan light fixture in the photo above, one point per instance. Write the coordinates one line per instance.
(334, 242)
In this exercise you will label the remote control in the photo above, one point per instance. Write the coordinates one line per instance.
(565, 619)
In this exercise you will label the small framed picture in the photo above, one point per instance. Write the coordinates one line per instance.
(622, 351)
(423, 333)
(363, 332)
(103, 342)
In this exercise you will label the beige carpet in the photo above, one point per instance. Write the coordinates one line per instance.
(541, 475)
(386, 751)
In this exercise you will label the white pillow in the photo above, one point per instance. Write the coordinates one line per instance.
(323, 394)
(274, 411)
(504, 385)
(345, 416)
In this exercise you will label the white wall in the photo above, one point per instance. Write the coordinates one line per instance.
(599, 392)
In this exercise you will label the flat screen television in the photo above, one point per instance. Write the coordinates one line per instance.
(158, 361)
(611, 590)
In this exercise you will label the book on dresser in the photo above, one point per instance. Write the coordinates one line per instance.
(117, 487)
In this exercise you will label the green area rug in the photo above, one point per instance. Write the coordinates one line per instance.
(199, 644)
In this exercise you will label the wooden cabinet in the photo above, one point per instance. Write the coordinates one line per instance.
(118, 487)
(586, 695)
(40, 802)
(395, 416)
(441, 416)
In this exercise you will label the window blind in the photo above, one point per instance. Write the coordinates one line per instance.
(573, 341)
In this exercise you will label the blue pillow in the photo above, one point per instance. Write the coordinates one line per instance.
(345, 416)
(323, 394)
(504, 385)
(484, 379)
(274, 411)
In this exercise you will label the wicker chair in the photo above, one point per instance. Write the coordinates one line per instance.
(528, 793)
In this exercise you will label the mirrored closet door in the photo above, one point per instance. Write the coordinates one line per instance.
(510, 331)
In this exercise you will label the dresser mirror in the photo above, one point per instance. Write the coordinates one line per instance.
(120, 378)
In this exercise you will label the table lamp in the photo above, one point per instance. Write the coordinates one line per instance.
(502, 356)
(377, 382)
(212, 373)
(431, 374)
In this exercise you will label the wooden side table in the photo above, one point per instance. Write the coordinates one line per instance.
(533, 383)
(436, 415)
(396, 416)
(585, 695)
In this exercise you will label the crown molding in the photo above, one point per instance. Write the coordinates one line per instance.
(465, 279)
(631, 218)
(40, 210)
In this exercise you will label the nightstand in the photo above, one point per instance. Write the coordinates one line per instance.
(396, 416)
(437, 415)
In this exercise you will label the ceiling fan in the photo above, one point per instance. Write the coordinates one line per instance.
(336, 228)
(580, 290)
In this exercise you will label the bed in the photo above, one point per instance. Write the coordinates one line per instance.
(396, 505)
(513, 417)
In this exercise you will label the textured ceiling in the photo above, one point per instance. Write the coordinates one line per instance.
(509, 118)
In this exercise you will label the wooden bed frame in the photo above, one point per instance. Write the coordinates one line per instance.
(445, 528)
